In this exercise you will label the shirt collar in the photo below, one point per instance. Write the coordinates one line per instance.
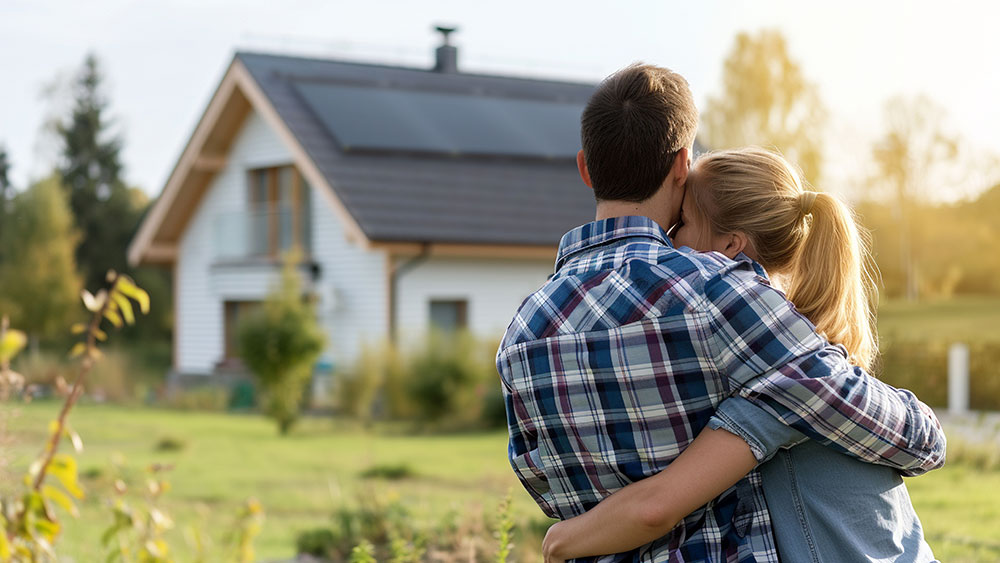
(604, 231)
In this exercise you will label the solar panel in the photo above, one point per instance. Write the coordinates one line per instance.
(436, 122)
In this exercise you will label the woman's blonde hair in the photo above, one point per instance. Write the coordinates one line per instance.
(810, 239)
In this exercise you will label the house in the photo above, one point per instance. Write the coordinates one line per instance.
(421, 197)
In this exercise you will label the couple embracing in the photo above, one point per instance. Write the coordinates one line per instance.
(702, 395)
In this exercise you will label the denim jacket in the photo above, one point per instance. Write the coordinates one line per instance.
(824, 505)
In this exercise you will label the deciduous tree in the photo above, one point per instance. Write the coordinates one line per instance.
(38, 279)
(766, 100)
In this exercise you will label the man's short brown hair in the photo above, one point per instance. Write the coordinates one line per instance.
(633, 127)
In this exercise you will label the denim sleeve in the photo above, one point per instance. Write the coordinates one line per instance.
(773, 357)
(764, 433)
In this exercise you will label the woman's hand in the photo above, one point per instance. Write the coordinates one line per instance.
(553, 542)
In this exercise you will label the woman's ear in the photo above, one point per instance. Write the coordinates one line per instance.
(735, 243)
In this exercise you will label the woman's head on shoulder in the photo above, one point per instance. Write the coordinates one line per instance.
(753, 201)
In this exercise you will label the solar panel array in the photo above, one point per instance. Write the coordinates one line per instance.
(373, 118)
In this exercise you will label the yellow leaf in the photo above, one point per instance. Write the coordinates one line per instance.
(124, 306)
(78, 349)
(63, 468)
(114, 317)
(60, 498)
(128, 287)
(100, 334)
(78, 328)
(12, 343)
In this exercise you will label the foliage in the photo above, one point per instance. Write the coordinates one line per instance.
(6, 192)
(106, 211)
(91, 171)
(384, 530)
(30, 525)
(280, 342)
(200, 398)
(766, 100)
(444, 381)
(377, 371)
(909, 157)
(438, 377)
(922, 367)
(505, 529)
(390, 471)
(38, 281)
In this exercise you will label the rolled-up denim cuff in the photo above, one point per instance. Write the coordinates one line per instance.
(721, 420)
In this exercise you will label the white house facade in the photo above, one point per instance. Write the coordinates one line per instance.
(400, 231)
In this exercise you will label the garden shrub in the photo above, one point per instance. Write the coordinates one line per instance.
(199, 398)
(922, 367)
(280, 342)
(378, 530)
(444, 381)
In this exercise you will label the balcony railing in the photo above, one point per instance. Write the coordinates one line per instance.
(255, 234)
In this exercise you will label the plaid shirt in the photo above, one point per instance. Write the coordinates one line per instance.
(614, 366)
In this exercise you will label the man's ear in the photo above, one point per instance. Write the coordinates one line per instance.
(581, 164)
(680, 168)
(735, 243)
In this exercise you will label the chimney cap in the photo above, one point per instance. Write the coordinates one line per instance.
(446, 30)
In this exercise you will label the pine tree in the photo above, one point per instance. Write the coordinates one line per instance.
(104, 207)
(38, 278)
(6, 191)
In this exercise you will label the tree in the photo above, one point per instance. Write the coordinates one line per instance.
(767, 101)
(912, 155)
(279, 343)
(106, 210)
(6, 191)
(38, 278)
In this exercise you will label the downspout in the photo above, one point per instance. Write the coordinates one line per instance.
(395, 274)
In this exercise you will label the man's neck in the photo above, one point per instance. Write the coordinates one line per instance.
(612, 209)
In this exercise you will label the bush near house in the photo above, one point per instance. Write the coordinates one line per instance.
(280, 343)
(442, 382)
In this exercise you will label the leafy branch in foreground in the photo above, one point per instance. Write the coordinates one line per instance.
(30, 523)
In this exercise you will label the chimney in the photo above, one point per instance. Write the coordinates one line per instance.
(447, 54)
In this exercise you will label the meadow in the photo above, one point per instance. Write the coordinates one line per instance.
(219, 460)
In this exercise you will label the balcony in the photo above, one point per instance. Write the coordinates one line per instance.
(260, 235)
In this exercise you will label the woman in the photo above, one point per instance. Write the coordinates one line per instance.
(824, 506)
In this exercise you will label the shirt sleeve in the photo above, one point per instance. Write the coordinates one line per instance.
(522, 446)
(764, 433)
(773, 357)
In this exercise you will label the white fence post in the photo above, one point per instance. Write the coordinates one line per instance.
(958, 378)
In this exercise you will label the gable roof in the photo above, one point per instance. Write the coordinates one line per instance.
(404, 194)
(403, 155)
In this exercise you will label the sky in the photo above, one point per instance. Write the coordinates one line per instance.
(163, 59)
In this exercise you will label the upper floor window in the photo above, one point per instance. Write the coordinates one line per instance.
(279, 204)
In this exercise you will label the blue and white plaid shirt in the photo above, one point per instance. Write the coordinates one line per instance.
(614, 366)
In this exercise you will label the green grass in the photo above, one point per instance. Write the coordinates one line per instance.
(969, 319)
(301, 479)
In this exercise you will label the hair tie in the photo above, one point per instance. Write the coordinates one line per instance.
(806, 201)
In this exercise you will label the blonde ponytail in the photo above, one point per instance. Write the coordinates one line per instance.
(829, 280)
(810, 239)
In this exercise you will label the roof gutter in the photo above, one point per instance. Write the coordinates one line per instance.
(396, 272)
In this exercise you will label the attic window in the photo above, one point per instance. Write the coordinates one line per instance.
(279, 205)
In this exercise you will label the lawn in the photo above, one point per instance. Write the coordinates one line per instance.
(301, 479)
(960, 319)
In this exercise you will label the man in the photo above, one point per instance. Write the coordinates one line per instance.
(614, 366)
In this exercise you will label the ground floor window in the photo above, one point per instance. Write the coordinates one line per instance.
(449, 315)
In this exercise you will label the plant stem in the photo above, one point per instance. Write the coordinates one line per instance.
(86, 364)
